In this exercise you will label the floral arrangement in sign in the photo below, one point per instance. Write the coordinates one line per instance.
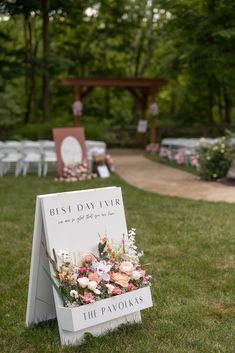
(114, 270)
(76, 172)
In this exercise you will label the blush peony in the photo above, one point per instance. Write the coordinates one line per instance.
(126, 267)
(136, 275)
(93, 276)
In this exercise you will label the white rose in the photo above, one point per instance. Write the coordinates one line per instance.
(136, 275)
(92, 285)
(97, 291)
(74, 294)
(83, 282)
(110, 288)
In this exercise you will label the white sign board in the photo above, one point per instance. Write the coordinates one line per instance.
(103, 171)
(74, 220)
(142, 126)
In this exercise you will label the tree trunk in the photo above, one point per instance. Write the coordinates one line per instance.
(27, 61)
(220, 106)
(210, 103)
(46, 51)
(227, 107)
(107, 102)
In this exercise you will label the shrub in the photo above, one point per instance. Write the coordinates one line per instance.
(215, 159)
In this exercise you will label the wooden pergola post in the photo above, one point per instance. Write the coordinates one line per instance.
(153, 122)
(144, 106)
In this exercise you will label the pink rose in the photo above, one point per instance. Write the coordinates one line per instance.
(88, 298)
(116, 291)
(82, 269)
(131, 287)
(88, 259)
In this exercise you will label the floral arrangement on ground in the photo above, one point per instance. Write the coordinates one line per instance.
(114, 270)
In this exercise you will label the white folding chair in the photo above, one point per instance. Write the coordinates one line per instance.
(49, 157)
(2, 155)
(32, 157)
(11, 160)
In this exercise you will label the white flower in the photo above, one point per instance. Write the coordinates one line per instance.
(92, 285)
(105, 276)
(74, 294)
(129, 243)
(110, 288)
(72, 305)
(101, 267)
(141, 253)
(83, 282)
(97, 291)
(63, 255)
(136, 275)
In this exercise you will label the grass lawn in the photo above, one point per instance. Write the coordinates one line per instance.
(189, 244)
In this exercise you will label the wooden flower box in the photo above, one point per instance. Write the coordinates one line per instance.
(85, 316)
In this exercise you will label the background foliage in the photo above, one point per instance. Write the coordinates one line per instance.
(188, 42)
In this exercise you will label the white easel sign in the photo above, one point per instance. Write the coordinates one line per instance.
(74, 221)
(103, 171)
(142, 126)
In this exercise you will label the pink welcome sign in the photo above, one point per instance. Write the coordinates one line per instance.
(70, 147)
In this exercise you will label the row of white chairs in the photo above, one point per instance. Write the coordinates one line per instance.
(24, 155)
(188, 146)
(190, 143)
(20, 157)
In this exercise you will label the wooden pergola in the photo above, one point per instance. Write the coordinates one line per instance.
(144, 90)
